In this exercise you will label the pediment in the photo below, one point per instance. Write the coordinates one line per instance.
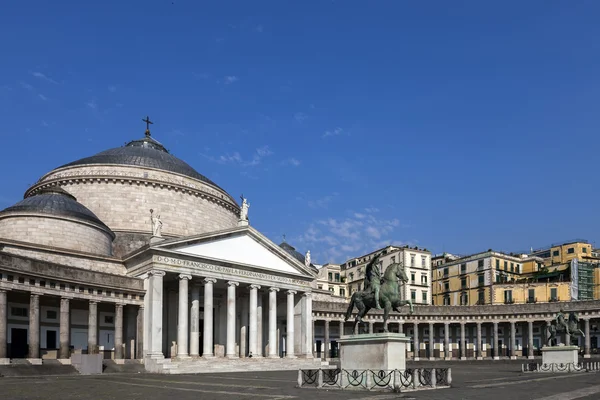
(246, 247)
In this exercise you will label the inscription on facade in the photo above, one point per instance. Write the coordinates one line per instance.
(228, 270)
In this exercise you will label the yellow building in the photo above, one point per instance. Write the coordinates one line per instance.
(535, 292)
(563, 253)
(330, 278)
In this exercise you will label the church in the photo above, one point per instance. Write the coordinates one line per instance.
(133, 254)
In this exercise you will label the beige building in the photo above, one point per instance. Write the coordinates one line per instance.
(330, 278)
(417, 264)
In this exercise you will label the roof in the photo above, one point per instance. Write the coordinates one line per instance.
(56, 201)
(145, 152)
(297, 255)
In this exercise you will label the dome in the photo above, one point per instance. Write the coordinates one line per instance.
(297, 255)
(57, 202)
(146, 152)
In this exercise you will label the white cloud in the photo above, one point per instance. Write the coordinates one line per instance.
(322, 202)
(334, 132)
(44, 123)
(291, 161)
(236, 157)
(92, 104)
(112, 88)
(41, 96)
(39, 75)
(300, 116)
(26, 85)
(230, 158)
(372, 210)
(231, 79)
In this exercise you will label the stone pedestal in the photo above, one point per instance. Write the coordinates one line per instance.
(560, 355)
(375, 351)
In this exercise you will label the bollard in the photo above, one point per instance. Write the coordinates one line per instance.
(449, 377)
(433, 378)
(320, 378)
(415, 376)
(299, 378)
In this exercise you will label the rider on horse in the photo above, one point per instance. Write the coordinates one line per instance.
(561, 320)
(373, 278)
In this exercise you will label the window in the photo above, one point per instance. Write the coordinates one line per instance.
(320, 286)
(481, 297)
(343, 292)
(570, 250)
(464, 299)
(553, 294)
(480, 264)
(506, 265)
(556, 253)
(424, 296)
(463, 283)
(337, 276)
(50, 314)
(109, 319)
(412, 277)
(481, 279)
(424, 261)
(18, 312)
(584, 249)
(392, 260)
(447, 300)
(423, 279)
(330, 277)
(413, 295)
(447, 285)
(508, 296)
(332, 290)
(446, 271)
(497, 264)
(412, 260)
(463, 268)
(531, 296)
(518, 268)
(351, 276)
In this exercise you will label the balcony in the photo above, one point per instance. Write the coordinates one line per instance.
(553, 299)
(509, 301)
(532, 299)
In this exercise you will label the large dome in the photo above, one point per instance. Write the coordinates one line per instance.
(146, 152)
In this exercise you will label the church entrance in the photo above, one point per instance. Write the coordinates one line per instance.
(18, 343)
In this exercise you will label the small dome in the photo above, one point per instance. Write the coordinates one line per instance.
(57, 202)
(145, 152)
(297, 255)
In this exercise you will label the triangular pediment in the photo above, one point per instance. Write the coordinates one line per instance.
(245, 247)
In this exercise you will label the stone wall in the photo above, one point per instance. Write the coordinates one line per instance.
(57, 232)
(122, 197)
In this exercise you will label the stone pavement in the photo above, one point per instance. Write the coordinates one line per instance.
(485, 380)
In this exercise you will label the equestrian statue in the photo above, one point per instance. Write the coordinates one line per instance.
(563, 324)
(380, 292)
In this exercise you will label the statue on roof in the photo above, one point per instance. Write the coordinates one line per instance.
(244, 209)
(307, 259)
(156, 224)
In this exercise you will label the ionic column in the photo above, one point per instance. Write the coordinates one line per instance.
(496, 349)
(34, 326)
(371, 325)
(64, 351)
(273, 323)
(118, 331)
(195, 322)
(307, 320)
(463, 344)
(244, 325)
(289, 340)
(92, 327)
(586, 331)
(447, 340)
(400, 327)
(259, 325)
(139, 341)
(513, 341)
(3, 327)
(155, 347)
(183, 316)
(431, 342)
(252, 346)
(530, 340)
(208, 343)
(230, 347)
(479, 343)
(416, 341)
(326, 341)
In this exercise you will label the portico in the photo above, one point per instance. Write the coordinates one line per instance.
(232, 294)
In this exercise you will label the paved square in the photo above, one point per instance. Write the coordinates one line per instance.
(487, 381)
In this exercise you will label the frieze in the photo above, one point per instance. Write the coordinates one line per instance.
(228, 270)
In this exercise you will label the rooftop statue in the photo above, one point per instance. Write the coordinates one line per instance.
(156, 224)
(563, 323)
(380, 292)
(244, 208)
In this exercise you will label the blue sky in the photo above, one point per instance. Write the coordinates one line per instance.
(456, 126)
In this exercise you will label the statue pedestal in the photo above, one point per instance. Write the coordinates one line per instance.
(560, 355)
(374, 351)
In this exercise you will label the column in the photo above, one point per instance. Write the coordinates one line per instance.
(307, 320)
(341, 329)
(244, 325)
(289, 339)
(586, 332)
(139, 341)
(513, 341)
(273, 323)
(530, 340)
(259, 325)
(195, 322)
(416, 341)
(252, 346)
(495, 334)
(3, 328)
(64, 351)
(447, 340)
(463, 344)
(155, 347)
(118, 331)
(479, 343)
(371, 325)
(208, 344)
(326, 344)
(183, 316)
(34, 326)
(431, 341)
(400, 327)
(92, 327)
(230, 346)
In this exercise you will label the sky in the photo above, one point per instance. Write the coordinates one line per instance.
(349, 125)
